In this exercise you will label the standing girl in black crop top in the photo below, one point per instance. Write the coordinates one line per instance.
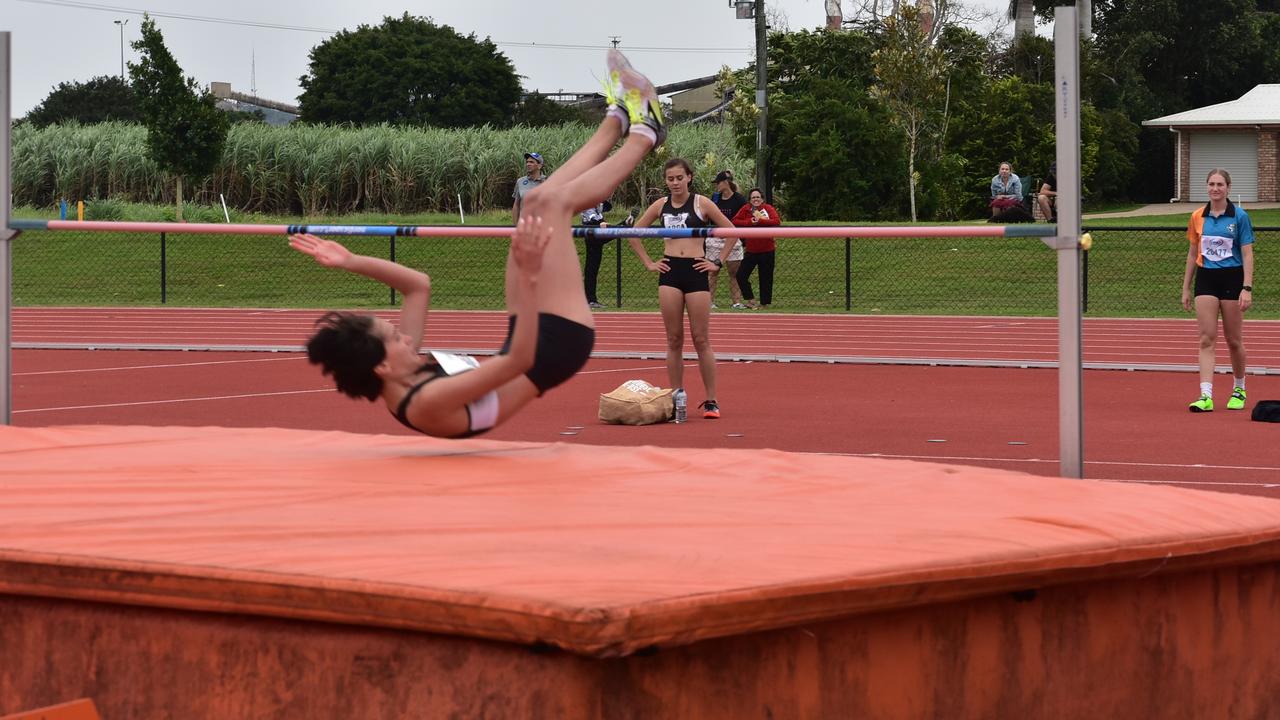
(682, 275)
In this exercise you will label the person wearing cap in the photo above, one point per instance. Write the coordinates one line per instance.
(594, 217)
(533, 177)
(729, 201)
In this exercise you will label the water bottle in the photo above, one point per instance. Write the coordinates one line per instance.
(682, 405)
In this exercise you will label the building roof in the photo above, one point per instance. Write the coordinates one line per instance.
(1259, 106)
(270, 114)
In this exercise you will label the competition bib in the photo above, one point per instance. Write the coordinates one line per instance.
(1216, 248)
(675, 220)
(453, 364)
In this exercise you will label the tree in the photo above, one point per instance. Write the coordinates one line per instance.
(911, 83)
(835, 154)
(796, 57)
(945, 191)
(101, 99)
(409, 71)
(796, 61)
(938, 15)
(185, 130)
(1153, 60)
(817, 94)
(1023, 15)
(1014, 122)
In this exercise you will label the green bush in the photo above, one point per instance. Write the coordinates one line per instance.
(104, 210)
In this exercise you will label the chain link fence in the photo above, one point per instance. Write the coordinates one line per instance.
(1131, 272)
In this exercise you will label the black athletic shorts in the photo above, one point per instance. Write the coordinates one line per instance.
(1222, 283)
(683, 276)
(563, 348)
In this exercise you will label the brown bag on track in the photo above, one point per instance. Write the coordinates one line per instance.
(636, 402)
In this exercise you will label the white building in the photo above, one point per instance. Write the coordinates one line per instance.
(1239, 136)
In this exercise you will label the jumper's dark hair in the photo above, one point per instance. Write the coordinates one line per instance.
(755, 190)
(345, 346)
(682, 163)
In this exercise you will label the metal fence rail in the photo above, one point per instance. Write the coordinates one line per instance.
(1130, 272)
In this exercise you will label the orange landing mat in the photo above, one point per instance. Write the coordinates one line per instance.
(167, 541)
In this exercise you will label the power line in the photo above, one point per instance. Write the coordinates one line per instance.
(176, 16)
(326, 31)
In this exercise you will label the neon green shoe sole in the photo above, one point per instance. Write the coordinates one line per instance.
(617, 64)
(642, 104)
(613, 89)
(1204, 404)
(1237, 400)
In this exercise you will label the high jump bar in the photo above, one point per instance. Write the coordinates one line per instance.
(795, 231)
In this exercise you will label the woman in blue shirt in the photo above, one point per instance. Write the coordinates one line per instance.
(1220, 258)
(1006, 190)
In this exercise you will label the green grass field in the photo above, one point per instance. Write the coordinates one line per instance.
(1130, 273)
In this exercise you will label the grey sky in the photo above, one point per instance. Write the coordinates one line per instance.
(64, 40)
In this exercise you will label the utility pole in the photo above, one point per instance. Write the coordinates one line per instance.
(121, 23)
(748, 10)
(615, 39)
(762, 103)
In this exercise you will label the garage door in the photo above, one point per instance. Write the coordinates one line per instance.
(1237, 153)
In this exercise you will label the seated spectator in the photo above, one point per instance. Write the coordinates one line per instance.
(1006, 190)
(1048, 197)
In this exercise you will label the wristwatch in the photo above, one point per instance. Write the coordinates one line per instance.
(1247, 287)
(720, 263)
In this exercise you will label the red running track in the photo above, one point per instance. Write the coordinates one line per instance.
(981, 341)
(1137, 427)
(1136, 424)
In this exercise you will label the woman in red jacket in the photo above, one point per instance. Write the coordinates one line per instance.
(760, 251)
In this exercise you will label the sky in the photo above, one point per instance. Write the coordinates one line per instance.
(555, 45)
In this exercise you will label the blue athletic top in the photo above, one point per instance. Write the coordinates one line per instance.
(1219, 239)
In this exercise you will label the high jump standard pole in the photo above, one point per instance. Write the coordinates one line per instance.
(1066, 42)
(6, 235)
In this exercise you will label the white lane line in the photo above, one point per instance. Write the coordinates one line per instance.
(270, 394)
(631, 369)
(1197, 466)
(154, 367)
(173, 401)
